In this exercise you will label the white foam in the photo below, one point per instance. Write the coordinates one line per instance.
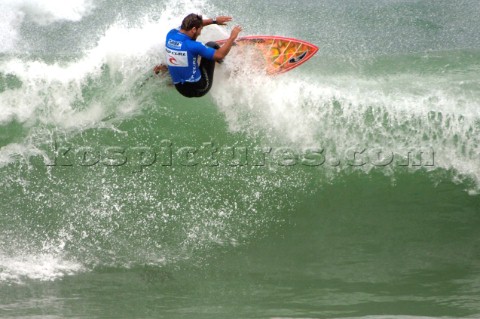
(341, 112)
(48, 11)
(10, 22)
(121, 48)
(43, 12)
(15, 152)
(43, 267)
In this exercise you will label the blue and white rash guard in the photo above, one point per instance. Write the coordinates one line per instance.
(182, 55)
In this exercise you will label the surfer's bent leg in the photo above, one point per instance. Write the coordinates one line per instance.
(200, 88)
(207, 67)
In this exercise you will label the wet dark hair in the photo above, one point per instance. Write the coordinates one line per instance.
(192, 21)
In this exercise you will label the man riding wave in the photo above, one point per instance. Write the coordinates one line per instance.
(190, 78)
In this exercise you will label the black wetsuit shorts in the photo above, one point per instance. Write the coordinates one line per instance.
(202, 86)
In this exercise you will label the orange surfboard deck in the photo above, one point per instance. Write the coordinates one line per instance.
(275, 54)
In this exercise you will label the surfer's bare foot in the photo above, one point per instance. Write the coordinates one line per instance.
(160, 68)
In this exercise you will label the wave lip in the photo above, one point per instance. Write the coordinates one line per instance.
(44, 12)
(13, 13)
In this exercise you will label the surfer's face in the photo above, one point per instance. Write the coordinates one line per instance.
(197, 32)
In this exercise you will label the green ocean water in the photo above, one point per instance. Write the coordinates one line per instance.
(347, 188)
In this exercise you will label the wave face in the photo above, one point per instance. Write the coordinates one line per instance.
(345, 188)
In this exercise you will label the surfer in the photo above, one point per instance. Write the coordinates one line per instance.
(182, 51)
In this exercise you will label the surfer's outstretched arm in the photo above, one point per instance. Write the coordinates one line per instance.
(221, 20)
(221, 53)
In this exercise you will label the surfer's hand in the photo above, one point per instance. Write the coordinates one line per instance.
(222, 20)
(236, 30)
(160, 68)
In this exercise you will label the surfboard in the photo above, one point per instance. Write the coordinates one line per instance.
(274, 54)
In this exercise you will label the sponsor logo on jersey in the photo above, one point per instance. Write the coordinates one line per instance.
(177, 58)
(174, 44)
